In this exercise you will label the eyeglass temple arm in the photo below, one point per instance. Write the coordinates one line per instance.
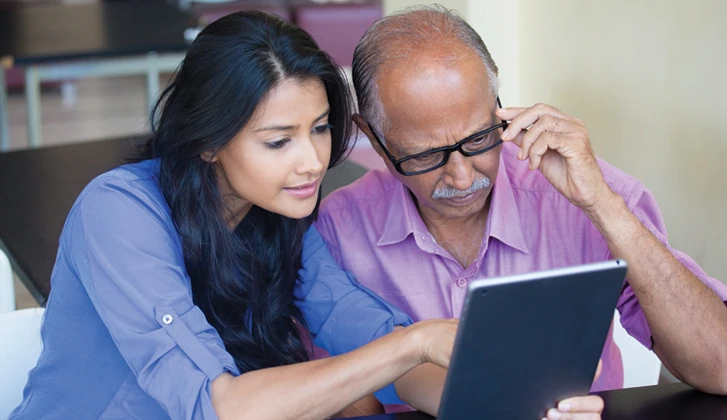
(381, 143)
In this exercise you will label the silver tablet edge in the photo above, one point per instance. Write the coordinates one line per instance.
(538, 275)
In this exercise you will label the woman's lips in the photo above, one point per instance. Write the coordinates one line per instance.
(303, 191)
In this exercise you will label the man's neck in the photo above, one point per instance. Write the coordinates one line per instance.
(462, 236)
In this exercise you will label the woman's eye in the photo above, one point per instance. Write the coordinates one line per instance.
(277, 144)
(322, 128)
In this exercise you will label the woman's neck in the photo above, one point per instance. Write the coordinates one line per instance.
(235, 210)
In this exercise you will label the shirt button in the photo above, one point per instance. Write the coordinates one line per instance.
(167, 319)
(461, 282)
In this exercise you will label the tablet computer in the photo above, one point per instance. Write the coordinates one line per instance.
(526, 342)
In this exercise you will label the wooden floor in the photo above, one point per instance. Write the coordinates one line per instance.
(103, 108)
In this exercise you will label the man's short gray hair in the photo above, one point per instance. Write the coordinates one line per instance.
(393, 38)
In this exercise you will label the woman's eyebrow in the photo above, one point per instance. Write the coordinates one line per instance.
(289, 127)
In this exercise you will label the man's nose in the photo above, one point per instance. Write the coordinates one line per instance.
(459, 171)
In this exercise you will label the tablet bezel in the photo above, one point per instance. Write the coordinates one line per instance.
(530, 394)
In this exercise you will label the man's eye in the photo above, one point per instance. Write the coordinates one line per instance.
(480, 140)
(485, 140)
(426, 158)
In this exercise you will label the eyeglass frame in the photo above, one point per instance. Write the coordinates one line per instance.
(446, 149)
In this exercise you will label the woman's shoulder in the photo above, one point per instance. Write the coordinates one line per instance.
(131, 184)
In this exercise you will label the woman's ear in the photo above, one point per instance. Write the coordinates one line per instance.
(209, 156)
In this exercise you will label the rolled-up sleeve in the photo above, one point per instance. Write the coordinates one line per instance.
(129, 259)
(341, 314)
(644, 206)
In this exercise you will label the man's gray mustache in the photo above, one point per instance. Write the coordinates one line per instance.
(449, 192)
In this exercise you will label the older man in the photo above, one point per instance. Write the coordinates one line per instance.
(467, 195)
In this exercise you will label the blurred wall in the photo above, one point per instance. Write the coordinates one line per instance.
(648, 78)
(394, 5)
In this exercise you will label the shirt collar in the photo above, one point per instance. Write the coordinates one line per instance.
(504, 219)
(403, 218)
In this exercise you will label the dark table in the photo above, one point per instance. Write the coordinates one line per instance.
(34, 34)
(67, 41)
(39, 186)
(661, 402)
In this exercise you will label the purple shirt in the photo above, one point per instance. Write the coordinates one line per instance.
(373, 229)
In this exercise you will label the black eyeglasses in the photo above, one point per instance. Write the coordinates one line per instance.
(427, 161)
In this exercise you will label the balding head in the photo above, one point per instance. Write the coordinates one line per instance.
(417, 36)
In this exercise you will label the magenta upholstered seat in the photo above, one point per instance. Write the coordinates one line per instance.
(209, 12)
(337, 27)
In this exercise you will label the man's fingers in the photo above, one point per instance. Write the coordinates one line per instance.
(530, 136)
(545, 142)
(519, 139)
(556, 415)
(522, 118)
(508, 114)
(587, 407)
(585, 404)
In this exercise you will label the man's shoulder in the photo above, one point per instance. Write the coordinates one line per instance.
(375, 187)
(360, 208)
(524, 180)
(619, 181)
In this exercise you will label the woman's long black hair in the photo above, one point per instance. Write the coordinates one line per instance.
(243, 280)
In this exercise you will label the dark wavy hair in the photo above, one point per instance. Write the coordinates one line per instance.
(243, 280)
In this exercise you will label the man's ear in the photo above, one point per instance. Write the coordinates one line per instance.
(362, 125)
(209, 156)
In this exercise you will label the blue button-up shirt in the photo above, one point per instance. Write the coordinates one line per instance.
(122, 337)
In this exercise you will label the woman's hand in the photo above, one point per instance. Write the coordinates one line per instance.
(435, 340)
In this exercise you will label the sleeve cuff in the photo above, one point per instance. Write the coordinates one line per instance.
(203, 348)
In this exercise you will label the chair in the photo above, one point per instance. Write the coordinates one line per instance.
(20, 332)
(7, 286)
(210, 10)
(641, 366)
(338, 27)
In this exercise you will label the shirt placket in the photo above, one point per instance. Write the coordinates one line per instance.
(459, 284)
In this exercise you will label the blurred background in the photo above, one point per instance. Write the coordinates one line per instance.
(646, 77)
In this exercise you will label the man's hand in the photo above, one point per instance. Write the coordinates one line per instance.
(578, 408)
(558, 145)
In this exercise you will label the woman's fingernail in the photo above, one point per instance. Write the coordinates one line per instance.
(564, 407)
(505, 134)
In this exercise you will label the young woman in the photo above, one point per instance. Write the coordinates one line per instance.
(188, 284)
